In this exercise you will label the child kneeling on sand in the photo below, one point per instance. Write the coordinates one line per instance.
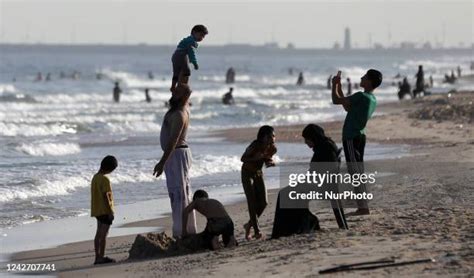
(102, 207)
(218, 221)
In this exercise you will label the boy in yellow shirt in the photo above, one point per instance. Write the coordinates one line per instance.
(102, 207)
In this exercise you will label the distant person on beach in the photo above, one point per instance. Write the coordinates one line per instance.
(147, 95)
(102, 207)
(62, 75)
(228, 98)
(349, 86)
(48, 77)
(150, 75)
(99, 76)
(117, 91)
(459, 71)
(184, 54)
(404, 89)
(300, 80)
(176, 159)
(218, 220)
(76, 75)
(230, 76)
(258, 153)
(431, 81)
(298, 219)
(420, 82)
(39, 77)
(360, 107)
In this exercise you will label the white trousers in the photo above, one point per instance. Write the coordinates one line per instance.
(179, 188)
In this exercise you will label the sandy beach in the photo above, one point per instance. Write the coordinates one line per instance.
(426, 211)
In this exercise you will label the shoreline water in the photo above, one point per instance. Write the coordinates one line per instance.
(446, 141)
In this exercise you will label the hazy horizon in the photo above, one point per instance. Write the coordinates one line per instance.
(317, 24)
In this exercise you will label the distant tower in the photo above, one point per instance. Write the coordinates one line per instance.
(347, 38)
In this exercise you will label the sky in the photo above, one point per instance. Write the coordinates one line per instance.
(306, 24)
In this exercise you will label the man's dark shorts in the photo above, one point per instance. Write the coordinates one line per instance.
(219, 226)
(106, 219)
(180, 62)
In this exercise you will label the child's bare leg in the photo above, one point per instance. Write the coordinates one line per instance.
(215, 243)
(97, 242)
(103, 240)
(183, 79)
(247, 227)
(231, 242)
(173, 85)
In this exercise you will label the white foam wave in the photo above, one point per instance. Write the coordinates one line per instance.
(52, 149)
(10, 129)
(7, 88)
(57, 187)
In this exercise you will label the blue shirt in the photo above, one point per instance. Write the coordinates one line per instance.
(189, 44)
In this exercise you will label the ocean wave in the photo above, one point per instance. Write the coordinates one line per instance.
(51, 149)
(131, 80)
(17, 98)
(62, 186)
(137, 171)
(11, 129)
(7, 88)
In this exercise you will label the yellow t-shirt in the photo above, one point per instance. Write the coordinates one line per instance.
(99, 186)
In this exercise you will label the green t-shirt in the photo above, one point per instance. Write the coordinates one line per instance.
(362, 107)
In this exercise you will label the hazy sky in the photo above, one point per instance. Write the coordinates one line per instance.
(305, 23)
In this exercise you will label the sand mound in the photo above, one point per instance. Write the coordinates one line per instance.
(156, 245)
(446, 109)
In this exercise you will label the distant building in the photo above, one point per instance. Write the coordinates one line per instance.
(271, 45)
(347, 38)
(336, 46)
(427, 45)
(290, 46)
(407, 45)
(378, 46)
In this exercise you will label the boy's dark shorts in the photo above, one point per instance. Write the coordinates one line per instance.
(180, 62)
(106, 219)
(219, 226)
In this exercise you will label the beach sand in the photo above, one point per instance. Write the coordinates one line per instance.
(427, 211)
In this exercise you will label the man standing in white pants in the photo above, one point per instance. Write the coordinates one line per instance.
(176, 159)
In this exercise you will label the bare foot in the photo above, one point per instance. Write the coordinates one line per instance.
(363, 211)
(259, 236)
(247, 231)
(232, 242)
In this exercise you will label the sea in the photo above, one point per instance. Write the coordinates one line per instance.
(54, 133)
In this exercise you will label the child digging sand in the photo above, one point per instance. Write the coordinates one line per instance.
(102, 207)
(218, 221)
(184, 54)
(259, 152)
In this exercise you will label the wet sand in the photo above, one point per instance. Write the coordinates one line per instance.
(427, 211)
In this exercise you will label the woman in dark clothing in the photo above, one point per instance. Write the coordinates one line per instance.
(290, 221)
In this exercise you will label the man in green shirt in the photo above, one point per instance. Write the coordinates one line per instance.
(360, 107)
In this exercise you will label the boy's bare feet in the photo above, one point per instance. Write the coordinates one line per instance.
(259, 236)
(232, 242)
(215, 243)
(247, 231)
(361, 211)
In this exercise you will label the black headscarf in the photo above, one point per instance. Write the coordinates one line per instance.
(324, 147)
